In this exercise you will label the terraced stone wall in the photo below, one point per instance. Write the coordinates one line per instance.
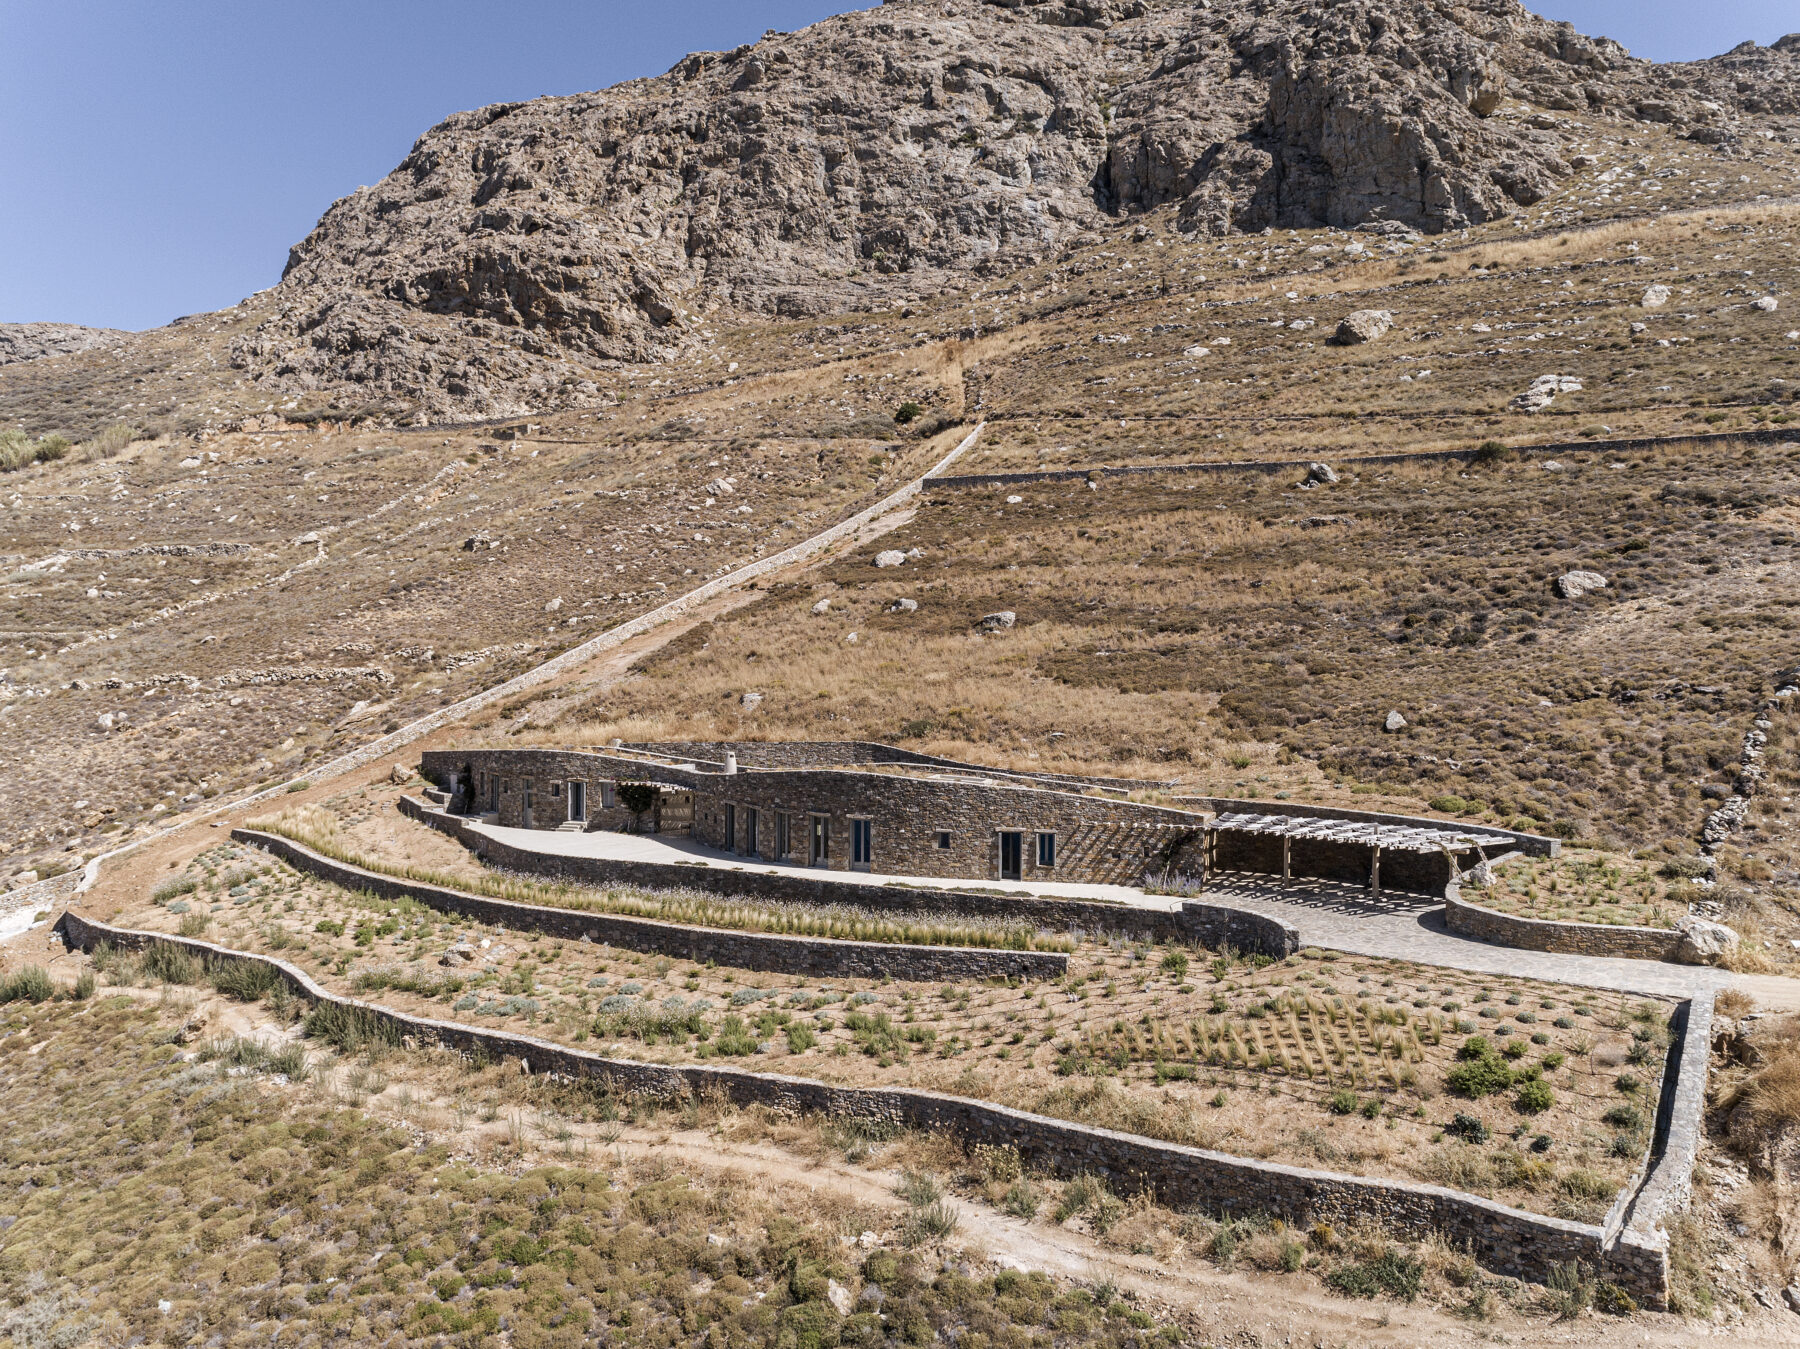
(1509, 1241)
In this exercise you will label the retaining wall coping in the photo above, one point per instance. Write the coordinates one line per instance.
(1516, 1241)
(763, 951)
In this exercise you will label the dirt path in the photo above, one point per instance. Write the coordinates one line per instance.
(125, 877)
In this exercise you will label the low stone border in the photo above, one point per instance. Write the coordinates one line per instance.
(1564, 938)
(1211, 925)
(1554, 450)
(766, 952)
(1510, 1241)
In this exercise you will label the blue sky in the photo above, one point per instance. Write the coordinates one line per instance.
(158, 159)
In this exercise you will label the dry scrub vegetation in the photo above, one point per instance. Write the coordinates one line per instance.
(179, 1196)
(1537, 1094)
(1248, 638)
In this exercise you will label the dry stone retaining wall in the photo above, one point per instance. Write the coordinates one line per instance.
(773, 953)
(1542, 934)
(1507, 1240)
(1210, 925)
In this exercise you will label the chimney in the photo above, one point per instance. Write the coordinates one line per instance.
(730, 763)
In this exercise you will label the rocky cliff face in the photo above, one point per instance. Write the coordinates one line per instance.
(873, 155)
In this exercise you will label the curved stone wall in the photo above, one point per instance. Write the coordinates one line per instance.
(1210, 925)
(1508, 1240)
(771, 953)
(1542, 934)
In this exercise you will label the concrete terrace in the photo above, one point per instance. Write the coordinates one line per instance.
(1327, 914)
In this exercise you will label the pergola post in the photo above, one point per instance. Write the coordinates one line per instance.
(1375, 871)
(1287, 857)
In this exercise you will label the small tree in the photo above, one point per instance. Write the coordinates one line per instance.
(638, 798)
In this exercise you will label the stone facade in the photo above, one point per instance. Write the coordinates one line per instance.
(1506, 1240)
(1541, 934)
(915, 825)
(1211, 925)
(815, 957)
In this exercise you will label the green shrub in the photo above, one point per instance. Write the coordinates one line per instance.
(1391, 1273)
(1343, 1101)
(193, 924)
(1176, 963)
(52, 448)
(84, 986)
(733, 1039)
(349, 1029)
(1475, 1047)
(1613, 1300)
(1479, 1077)
(1536, 1097)
(933, 1222)
(1449, 805)
(173, 888)
(30, 984)
(1624, 1117)
(1469, 1128)
(245, 980)
(167, 963)
(907, 412)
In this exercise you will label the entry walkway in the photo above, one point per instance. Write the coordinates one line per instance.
(1327, 914)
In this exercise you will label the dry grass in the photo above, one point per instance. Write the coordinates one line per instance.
(1339, 1063)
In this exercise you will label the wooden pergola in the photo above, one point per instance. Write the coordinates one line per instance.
(1374, 836)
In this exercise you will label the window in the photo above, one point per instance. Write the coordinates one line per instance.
(607, 799)
(1046, 850)
(861, 841)
(943, 840)
(730, 828)
(782, 846)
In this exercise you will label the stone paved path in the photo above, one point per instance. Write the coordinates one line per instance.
(1337, 917)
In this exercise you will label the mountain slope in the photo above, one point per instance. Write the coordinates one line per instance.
(872, 157)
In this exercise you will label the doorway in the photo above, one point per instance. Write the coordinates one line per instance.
(525, 811)
(578, 801)
(821, 841)
(1009, 854)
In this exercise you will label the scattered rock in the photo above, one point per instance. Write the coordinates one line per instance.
(839, 1297)
(1638, 329)
(852, 638)
(1767, 303)
(1014, 501)
(1554, 466)
(400, 773)
(1365, 325)
(479, 541)
(998, 622)
(1703, 941)
(1543, 392)
(1655, 297)
(822, 607)
(312, 536)
(721, 487)
(751, 701)
(903, 606)
(1574, 584)
(891, 557)
(460, 954)
(1320, 473)
(1394, 722)
(554, 605)
(1791, 1296)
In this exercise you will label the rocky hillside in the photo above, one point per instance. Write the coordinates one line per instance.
(31, 341)
(871, 157)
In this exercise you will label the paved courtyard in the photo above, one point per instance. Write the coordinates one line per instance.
(1334, 916)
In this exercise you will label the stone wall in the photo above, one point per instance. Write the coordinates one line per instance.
(774, 953)
(929, 827)
(1506, 1240)
(851, 753)
(1540, 934)
(1096, 839)
(1210, 925)
(1554, 450)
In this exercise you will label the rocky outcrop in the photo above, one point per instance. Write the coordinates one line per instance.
(34, 341)
(868, 158)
